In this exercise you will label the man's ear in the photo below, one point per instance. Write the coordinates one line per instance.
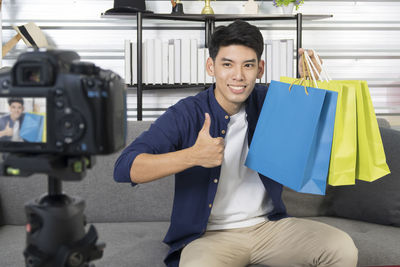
(210, 66)
(261, 65)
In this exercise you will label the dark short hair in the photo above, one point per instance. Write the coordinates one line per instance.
(15, 99)
(237, 33)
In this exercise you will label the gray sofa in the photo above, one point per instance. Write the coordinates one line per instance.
(132, 221)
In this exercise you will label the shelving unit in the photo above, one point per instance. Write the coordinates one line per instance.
(209, 26)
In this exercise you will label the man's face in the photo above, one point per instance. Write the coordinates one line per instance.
(235, 69)
(16, 110)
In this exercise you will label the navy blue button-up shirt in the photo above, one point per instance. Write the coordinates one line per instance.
(195, 190)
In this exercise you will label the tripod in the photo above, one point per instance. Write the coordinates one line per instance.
(55, 222)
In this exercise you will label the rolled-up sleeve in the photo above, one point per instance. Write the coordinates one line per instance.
(163, 136)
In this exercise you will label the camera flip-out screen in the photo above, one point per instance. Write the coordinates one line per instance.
(23, 119)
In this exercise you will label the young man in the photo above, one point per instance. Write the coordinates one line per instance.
(225, 214)
(11, 123)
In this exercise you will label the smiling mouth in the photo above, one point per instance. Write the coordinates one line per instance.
(237, 88)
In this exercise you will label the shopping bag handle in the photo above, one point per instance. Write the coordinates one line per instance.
(306, 70)
(309, 66)
(303, 79)
(301, 82)
(324, 72)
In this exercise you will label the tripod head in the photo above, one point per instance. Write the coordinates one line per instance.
(55, 222)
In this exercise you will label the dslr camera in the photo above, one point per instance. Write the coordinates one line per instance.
(56, 113)
(67, 107)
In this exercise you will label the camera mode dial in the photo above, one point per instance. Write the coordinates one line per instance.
(72, 126)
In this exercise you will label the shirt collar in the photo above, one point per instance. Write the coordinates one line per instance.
(215, 106)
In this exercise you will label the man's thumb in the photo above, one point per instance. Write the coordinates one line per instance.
(207, 123)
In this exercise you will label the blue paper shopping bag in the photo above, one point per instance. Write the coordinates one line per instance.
(293, 137)
(32, 127)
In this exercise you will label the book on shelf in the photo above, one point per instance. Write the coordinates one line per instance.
(268, 61)
(193, 61)
(128, 62)
(177, 62)
(134, 63)
(290, 58)
(157, 61)
(144, 63)
(185, 61)
(171, 63)
(150, 61)
(182, 61)
(164, 61)
(282, 56)
(276, 61)
(201, 75)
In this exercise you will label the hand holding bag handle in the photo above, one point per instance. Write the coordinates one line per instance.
(344, 145)
(321, 76)
(323, 68)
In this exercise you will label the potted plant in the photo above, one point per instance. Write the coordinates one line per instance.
(288, 5)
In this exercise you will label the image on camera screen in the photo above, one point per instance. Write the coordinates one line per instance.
(23, 119)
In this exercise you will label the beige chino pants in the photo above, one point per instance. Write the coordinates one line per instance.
(286, 243)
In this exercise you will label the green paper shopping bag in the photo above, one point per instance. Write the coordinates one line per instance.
(342, 167)
(371, 159)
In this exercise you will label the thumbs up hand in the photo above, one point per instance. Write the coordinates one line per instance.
(208, 152)
(8, 131)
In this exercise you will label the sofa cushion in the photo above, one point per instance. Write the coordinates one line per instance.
(377, 201)
(106, 200)
(377, 244)
(303, 205)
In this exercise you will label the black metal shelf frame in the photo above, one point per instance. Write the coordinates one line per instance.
(209, 26)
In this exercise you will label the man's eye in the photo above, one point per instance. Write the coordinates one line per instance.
(249, 65)
(226, 64)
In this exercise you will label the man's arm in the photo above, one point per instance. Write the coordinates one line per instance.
(7, 131)
(206, 152)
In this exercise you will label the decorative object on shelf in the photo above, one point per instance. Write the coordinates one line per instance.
(251, 7)
(207, 9)
(128, 7)
(287, 6)
(30, 33)
(177, 7)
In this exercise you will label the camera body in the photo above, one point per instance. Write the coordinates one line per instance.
(82, 108)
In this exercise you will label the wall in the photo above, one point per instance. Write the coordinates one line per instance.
(360, 41)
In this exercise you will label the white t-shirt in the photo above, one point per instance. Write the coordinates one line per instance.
(15, 137)
(241, 199)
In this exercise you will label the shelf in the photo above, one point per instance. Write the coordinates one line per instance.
(216, 17)
(170, 86)
(209, 27)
